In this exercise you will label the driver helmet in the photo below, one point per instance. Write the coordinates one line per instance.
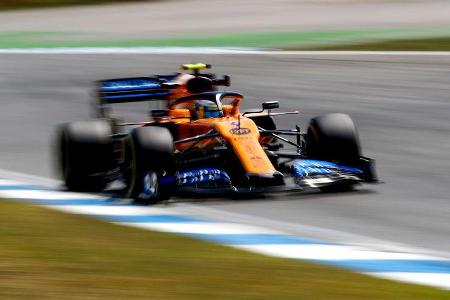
(207, 109)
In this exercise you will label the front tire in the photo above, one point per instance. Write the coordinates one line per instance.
(151, 158)
(333, 137)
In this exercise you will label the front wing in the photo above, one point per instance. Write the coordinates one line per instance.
(299, 175)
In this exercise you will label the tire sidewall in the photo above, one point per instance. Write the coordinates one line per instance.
(150, 150)
(333, 137)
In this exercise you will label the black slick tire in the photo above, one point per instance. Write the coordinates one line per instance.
(151, 158)
(333, 137)
(85, 154)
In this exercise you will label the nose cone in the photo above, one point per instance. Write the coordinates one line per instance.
(243, 137)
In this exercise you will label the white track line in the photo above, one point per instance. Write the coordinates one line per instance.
(46, 195)
(331, 252)
(212, 50)
(7, 182)
(114, 210)
(433, 279)
(28, 178)
(202, 228)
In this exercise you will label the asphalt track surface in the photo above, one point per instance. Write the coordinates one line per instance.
(401, 106)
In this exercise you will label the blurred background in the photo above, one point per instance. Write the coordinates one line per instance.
(398, 100)
(285, 24)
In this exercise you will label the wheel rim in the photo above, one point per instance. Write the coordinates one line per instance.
(150, 185)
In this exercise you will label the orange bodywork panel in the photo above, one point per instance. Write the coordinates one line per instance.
(244, 139)
(239, 132)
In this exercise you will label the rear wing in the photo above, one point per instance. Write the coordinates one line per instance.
(132, 89)
(158, 87)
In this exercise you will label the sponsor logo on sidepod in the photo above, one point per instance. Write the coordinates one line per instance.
(240, 131)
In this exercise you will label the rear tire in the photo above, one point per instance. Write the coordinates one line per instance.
(85, 154)
(151, 157)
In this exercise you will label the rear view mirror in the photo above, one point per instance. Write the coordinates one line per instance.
(270, 105)
(225, 81)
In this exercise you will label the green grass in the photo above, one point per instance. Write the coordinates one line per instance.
(23, 4)
(430, 44)
(51, 255)
(283, 40)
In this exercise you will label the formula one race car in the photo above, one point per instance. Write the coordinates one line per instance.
(201, 143)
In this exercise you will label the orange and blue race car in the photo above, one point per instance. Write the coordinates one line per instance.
(201, 143)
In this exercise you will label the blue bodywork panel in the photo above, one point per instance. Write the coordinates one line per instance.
(198, 176)
(132, 89)
(130, 84)
(308, 167)
(167, 78)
